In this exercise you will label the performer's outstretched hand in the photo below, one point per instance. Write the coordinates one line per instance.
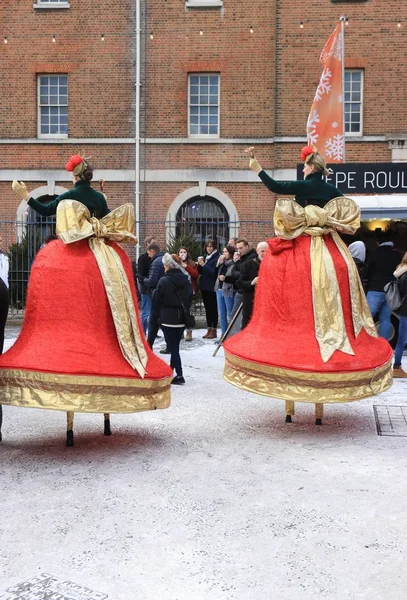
(20, 189)
(253, 164)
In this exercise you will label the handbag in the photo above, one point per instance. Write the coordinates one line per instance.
(393, 297)
(189, 319)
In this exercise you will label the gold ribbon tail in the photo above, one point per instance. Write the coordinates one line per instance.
(75, 223)
(330, 329)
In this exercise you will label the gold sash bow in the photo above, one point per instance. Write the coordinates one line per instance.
(75, 223)
(340, 214)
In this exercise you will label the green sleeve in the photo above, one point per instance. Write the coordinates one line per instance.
(105, 208)
(46, 210)
(281, 187)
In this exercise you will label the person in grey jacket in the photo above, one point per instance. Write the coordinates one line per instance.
(401, 276)
(225, 292)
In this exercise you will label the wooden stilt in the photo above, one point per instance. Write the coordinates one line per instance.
(289, 410)
(319, 413)
(107, 430)
(69, 428)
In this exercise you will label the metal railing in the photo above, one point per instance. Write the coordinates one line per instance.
(21, 241)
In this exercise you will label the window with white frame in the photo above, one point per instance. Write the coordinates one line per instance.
(353, 101)
(204, 3)
(52, 105)
(203, 105)
(51, 4)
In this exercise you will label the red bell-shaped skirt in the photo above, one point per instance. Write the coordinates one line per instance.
(278, 355)
(67, 356)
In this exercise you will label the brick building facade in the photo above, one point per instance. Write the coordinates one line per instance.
(256, 64)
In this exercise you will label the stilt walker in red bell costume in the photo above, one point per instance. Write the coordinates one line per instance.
(311, 337)
(81, 347)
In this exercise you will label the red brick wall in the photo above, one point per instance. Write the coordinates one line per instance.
(100, 74)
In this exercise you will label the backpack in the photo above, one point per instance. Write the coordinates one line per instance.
(393, 296)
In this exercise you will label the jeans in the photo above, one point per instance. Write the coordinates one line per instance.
(225, 305)
(238, 299)
(377, 304)
(173, 336)
(401, 341)
(145, 311)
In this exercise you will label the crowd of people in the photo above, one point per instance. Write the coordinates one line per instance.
(226, 280)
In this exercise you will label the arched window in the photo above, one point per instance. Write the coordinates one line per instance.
(205, 218)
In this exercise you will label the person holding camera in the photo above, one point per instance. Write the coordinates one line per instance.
(171, 304)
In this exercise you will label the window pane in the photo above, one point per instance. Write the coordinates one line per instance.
(53, 99)
(194, 120)
(194, 129)
(204, 80)
(194, 110)
(194, 79)
(204, 120)
(213, 129)
(54, 129)
(213, 100)
(194, 89)
(194, 100)
(203, 129)
(204, 110)
(214, 79)
(44, 129)
(213, 110)
(213, 120)
(204, 99)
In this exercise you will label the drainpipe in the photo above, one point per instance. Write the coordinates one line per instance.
(138, 84)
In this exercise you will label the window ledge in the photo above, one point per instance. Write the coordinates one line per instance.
(204, 4)
(52, 5)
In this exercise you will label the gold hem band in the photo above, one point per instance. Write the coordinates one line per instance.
(82, 393)
(303, 386)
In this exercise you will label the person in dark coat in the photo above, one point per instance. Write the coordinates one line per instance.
(358, 253)
(173, 290)
(208, 271)
(381, 267)
(143, 268)
(155, 272)
(401, 276)
(245, 254)
(248, 281)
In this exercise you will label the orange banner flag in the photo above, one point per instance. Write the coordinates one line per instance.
(325, 120)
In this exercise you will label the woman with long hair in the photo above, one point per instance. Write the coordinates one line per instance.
(191, 268)
(172, 294)
(224, 291)
(208, 271)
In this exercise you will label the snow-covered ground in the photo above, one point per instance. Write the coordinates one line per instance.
(215, 498)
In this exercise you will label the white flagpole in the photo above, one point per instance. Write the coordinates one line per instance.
(342, 20)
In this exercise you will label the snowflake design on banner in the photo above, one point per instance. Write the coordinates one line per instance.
(324, 86)
(336, 50)
(335, 125)
(334, 147)
(312, 134)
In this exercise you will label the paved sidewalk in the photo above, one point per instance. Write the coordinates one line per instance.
(215, 498)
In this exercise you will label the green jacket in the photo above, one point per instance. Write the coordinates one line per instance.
(94, 201)
(312, 190)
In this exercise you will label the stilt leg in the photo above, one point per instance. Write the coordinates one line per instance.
(1, 420)
(319, 412)
(107, 431)
(289, 411)
(69, 429)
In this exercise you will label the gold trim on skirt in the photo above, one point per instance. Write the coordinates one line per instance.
(83, 393)
(303, 386)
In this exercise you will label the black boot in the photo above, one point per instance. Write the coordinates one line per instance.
(178, 380)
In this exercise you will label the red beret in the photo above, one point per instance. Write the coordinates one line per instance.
(73, 162)
(306, 151)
